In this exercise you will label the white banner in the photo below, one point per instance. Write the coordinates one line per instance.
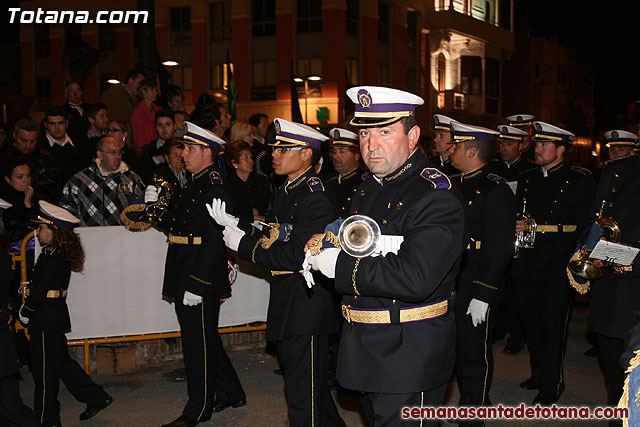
(119, 291)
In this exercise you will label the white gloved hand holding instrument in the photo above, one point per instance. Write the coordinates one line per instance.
(231, 233)
(151, 194)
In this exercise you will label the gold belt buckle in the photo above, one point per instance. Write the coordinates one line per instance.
(346, 313)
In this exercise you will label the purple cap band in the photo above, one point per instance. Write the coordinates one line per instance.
(200, 138)
(57, 222)
(385, 108)
(476, 135)
(313, 143)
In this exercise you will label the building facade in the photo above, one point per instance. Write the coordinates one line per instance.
(451, 52)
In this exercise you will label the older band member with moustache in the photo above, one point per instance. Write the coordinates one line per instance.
(398, 342)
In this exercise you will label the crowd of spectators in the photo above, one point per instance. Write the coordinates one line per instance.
(94, 157)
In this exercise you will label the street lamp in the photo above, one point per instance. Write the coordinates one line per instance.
(306, 80)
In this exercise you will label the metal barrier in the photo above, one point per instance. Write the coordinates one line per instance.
(87, 342)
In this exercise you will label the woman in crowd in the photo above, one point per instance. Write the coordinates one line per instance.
(13, 412)
(173, 170)
(250, 192)
(16, 189)
(46, 314)
(143, 117)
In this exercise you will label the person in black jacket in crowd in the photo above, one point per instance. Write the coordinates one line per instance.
(16, 189)
(43, 168)
(13, 411)
(46, 314)
(250, 192)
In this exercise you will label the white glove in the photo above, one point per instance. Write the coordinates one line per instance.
(306, 269)
(325, 262)
(151, 194)
(219, 214)
(232, 237)
(387, 244)
(478, 311)
(23, 319)
(191, 299)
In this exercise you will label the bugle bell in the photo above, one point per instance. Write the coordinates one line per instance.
(359, 235)
(154, 211)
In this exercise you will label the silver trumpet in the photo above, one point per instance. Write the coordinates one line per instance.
(359, 236)
(527, 237)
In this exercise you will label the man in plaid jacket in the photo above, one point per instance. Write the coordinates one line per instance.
(99, 193)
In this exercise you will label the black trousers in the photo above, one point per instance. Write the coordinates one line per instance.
(50, 363)
(210, 374)
(474, 359)
(304, 359)
(13, 412)
(544, 310)
(509, 309)
(610, 350)
(385, 410)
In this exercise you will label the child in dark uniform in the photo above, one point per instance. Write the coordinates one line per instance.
(46, 313)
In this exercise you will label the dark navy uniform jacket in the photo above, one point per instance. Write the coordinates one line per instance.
(343, 190)
(51, 273)
(512, 172)
(293, 307)
(415, 202)
(564, 198)
(199, 268)
(614, 297)
(490, 218)
(443, 166)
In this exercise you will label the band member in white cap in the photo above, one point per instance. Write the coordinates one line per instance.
(490, 216)
(196, 277)
(398, 342)
(46, 314)
(13, 411)
(299, 319)
(524, 122)
(443, 144)
(558, 196)
(620, 143)
(345, 150)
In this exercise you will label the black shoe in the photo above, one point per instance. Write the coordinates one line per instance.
(512, 347)
(546, 398)
(592, 352)
(221, 406)
(181, 421)
(93, 409)
(530, 384)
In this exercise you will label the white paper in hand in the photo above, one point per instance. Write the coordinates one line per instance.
(614, 252)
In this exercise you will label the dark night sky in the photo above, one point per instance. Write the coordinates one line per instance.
(603, 34)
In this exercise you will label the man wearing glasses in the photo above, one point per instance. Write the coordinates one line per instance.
(99, 193)
(299, 319)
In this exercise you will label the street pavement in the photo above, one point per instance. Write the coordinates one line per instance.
(155, 395)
